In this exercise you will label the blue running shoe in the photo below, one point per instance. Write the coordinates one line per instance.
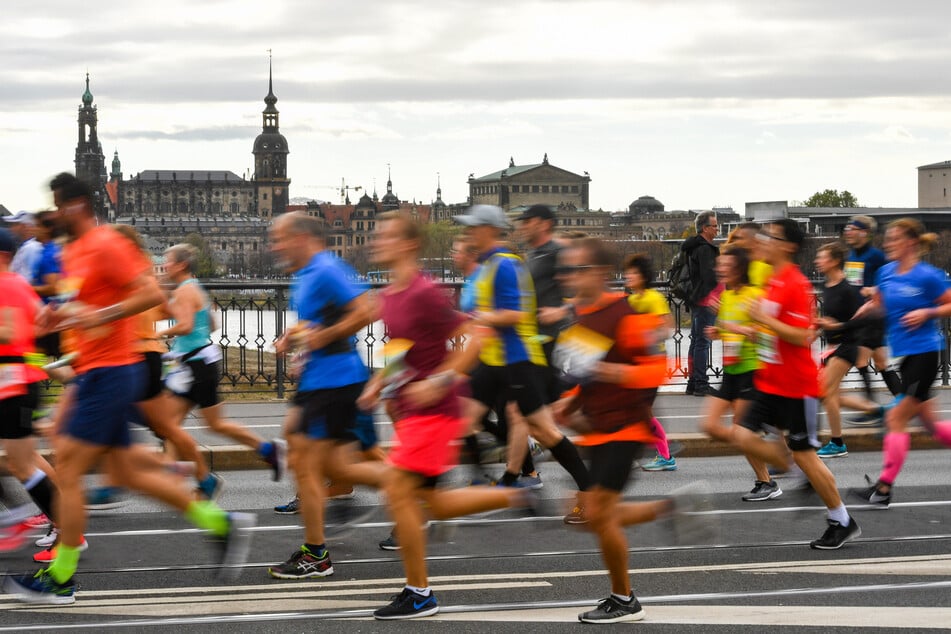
(832, 450)
(408, 605)
(659, 463)
(41, 588)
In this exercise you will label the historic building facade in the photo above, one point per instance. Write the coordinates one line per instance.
(525, 185)
(934, 186)
(90, 161)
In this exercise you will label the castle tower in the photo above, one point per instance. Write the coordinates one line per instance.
(270, 159)
(90, 161)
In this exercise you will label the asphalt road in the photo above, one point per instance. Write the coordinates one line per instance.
(148, 570)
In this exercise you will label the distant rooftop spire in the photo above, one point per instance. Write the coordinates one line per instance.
(271, 99)
(87, 96)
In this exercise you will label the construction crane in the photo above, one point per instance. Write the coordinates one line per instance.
(343, 189)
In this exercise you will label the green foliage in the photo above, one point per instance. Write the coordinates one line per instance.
(207, 268)
(832, 198)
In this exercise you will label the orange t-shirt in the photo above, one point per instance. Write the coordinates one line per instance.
(146, 341)
(19, 302)
(101, 265)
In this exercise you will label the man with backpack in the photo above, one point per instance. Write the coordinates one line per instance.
(700, 255)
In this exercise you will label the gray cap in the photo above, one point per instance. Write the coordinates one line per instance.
(21, 216)
(480, 215)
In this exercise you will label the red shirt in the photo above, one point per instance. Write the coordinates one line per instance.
(423, 314)
(18, 302)
(101, 265)
(788, 370)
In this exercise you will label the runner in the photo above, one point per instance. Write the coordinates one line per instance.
(19, 397)
(613, 351)
(113, 283)
(638, 277)
(735, 329)
(840, 301)
(914, 296)
(787, 383)
(511, 359)
(427, 416)
(194, 379)
(319, 424)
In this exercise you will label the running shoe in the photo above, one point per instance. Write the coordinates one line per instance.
(873, 495)
(536, 449)
(291, 508)
(836, 535)
(49, 539)
(41, 588)
(408, 605)
(14, 537)
(864, 420)
(390, 543)
(303, 564)
(211, 487)
(659, 463)
(832, 450)
(278, 459)
(763, 491)
(234, 546)
(576, 517)
(49, 555)
(38, 521)
(104, 498)
(613, 610)
(530, 481)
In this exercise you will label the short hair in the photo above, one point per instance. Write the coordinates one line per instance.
(129, 232)
(597, 250)
(742, 257)
(70, 187)
(184, 252)
(410, 229)
(868, 221)
(299, 223)
(836, 251)
(703, 219)
(916, 231)
(792, 232)
(644, 266)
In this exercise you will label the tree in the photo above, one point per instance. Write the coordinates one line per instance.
(437, 245)
(832, 198)
(206, 261)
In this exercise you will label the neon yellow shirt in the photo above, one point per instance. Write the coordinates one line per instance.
(739, 353)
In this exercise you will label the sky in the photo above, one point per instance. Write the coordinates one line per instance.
(699, 103)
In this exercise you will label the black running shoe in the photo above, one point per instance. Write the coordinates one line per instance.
(390, 543)
(278, 460)
(836, 535)
(873, 495)
(236, 545)
(41, 588)
(611, 610)
(303, 564)
(291, 508)
(408, 605)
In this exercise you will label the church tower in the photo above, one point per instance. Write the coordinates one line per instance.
(270, 159)
(90, 161)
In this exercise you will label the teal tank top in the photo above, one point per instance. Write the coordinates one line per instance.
(200, 336)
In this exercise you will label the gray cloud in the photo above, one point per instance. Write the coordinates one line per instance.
(220, 133)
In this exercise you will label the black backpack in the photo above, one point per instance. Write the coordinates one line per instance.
(680, 276)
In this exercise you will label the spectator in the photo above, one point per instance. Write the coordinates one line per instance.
(702, 255)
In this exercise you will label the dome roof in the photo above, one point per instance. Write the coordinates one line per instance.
(87, 96)
(270, 142)
(646, 204)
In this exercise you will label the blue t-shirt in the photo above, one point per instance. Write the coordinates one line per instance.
(862, 265)
(320, 292)
(902, 293)
(46, 264)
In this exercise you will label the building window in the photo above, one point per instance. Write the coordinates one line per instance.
(216, 207)
(574, 189)
(564, 189)
(544, 189)
(535, 189)
(514, 189)
(182, 207)
(264, 196)
(234, 208)
(166, 208)
(148, 208)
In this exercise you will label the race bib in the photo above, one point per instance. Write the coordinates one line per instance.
(855, 273)
(732, 345)
(578, 352)
(12, 380)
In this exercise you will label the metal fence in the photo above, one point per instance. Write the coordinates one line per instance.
(253, 315)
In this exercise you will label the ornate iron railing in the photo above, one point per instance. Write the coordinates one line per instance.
(253, 315)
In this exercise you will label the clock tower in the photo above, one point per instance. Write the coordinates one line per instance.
(270, 160)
